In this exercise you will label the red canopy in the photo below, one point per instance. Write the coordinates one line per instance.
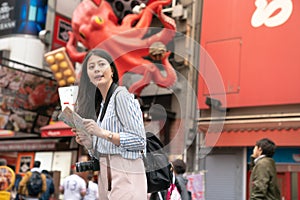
(57, 129)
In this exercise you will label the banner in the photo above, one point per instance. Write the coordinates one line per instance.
(196, 186)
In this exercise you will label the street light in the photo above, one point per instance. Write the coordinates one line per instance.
(61, 66)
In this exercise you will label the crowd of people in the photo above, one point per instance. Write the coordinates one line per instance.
(35, 184)
(38, 184)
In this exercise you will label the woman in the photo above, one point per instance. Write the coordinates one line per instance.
(117, 137)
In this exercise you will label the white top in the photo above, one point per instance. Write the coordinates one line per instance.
(129, 125)
(92, 192)
(72, 186)
(36, 169)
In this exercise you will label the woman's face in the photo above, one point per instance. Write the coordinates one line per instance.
(99, 71)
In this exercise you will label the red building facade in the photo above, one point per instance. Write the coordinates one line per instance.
(249, 65)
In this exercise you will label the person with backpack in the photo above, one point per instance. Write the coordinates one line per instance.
(177, 189)
(33, 184)
(50, 186)
(117, 143)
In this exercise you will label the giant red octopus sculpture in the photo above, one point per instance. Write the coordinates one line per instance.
(97, 26)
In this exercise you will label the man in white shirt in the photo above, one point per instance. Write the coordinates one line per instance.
(36, 167)
(92, 190)
(73, 187)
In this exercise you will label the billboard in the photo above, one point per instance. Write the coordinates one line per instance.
(27, 100)
(22, 16)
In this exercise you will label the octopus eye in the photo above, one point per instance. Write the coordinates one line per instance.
(99, 20)
(82, 35)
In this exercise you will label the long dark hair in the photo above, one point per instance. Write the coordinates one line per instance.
(88, 92)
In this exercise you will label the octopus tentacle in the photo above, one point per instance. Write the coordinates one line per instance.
(72, 51)
(153, 73)
(145, 17)
(138, 86)
(170, 77)
(167, 21)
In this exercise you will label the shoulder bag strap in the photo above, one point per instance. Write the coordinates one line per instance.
(111, 90)
(116, 108)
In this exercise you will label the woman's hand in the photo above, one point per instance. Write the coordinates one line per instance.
(83, 139)
(92, 128)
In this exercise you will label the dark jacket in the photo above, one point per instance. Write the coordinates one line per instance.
(183, 184)
(263, 180)
(50, 189)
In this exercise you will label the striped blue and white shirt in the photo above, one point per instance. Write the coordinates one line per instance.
(131, 127)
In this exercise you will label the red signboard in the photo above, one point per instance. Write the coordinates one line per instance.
(253, 47)
(62, 26)
(58, 129)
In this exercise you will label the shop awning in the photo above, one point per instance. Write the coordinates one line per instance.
(57, 129)
(245, 132)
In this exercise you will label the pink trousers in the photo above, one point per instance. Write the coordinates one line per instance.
(128, 179)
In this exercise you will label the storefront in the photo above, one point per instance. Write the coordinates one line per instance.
(227, 155)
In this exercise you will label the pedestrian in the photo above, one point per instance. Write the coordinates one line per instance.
(3, 162)
(16, 186)
(50, 186)
(114, 126)
(36, 166)
(178, 190)
(92, 189)
(179, 168)
(33, 183)
(73, 187)
(263, 180)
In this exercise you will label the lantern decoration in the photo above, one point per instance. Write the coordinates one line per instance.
(61, 66)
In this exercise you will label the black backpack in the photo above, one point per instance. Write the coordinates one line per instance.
(34, 184)
(158, 168)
